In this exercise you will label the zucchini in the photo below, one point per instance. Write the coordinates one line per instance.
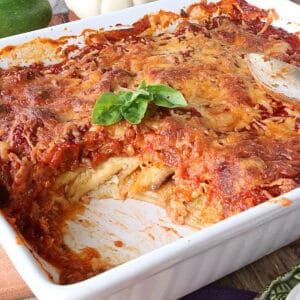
(17, 16)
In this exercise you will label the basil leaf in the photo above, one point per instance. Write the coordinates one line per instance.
(142, 85)
(144, 94)
(166, 96)
(124, 98)
(107, 109)
(132, 105)
(135, 111)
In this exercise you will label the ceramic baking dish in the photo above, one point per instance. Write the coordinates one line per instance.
(165, 261)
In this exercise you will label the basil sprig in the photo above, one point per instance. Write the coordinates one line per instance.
(132, 105)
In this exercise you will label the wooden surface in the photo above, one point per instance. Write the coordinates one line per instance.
(12, 285)
(254, 277)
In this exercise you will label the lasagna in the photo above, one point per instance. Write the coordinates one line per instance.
(234, 146)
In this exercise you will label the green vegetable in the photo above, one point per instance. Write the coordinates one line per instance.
(281, 286)
(165, 96)
(17, 16)
(132, 106)
(107, 111)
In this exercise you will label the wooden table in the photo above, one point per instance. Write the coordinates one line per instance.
(254, 277)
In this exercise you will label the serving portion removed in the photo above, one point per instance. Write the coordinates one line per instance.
(179, 122)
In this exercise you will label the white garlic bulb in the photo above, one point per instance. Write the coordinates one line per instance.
(89, 8)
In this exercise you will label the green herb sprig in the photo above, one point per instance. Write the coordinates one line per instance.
(132, 105)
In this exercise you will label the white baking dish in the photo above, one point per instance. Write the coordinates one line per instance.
(182, 265)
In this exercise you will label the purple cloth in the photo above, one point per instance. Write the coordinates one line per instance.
(219, 293)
